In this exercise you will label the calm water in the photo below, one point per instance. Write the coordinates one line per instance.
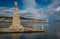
(52, 31)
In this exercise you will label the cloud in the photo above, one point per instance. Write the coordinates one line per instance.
(31, 11)
(54, 4)
(30, 7)
(57, 9)
(5, 11)
(41, 13)
(29, 3)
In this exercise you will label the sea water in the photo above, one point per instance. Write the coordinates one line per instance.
(51, 31)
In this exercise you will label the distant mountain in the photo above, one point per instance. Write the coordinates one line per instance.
(20, 17)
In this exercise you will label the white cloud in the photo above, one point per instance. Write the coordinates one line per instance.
(57, 9)
(30, 7)
(29, 3)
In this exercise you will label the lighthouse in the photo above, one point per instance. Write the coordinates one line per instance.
(16, 22)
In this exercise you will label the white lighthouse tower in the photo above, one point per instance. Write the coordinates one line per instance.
(16, 22)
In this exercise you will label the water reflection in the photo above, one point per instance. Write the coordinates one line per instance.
(22, 36)
(15, 36)
(10, 36)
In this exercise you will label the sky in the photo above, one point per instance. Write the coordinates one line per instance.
(35, 9)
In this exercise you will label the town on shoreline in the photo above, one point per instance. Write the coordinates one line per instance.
(9, 19)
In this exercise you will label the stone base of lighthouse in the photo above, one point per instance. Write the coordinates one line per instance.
(13, 28)
(16, 27)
